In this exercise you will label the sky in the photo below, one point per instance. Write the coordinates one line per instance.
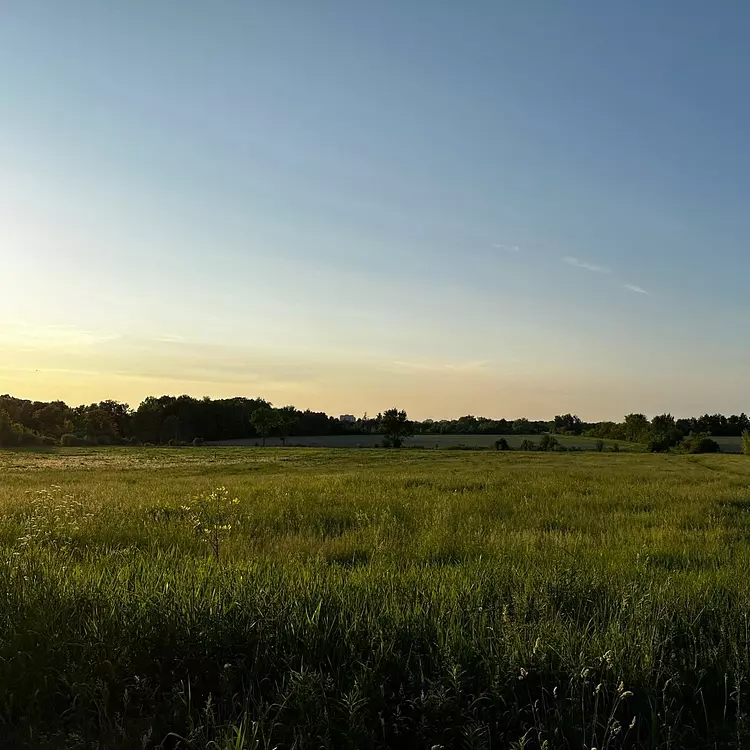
(498, 208)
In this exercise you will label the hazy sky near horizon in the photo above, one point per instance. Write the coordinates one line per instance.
(498, 208)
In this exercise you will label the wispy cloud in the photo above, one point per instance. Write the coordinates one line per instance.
(507, 248)
(170, 338)
(62, 336)
(463, 367)
(571, 261)
(634, 288)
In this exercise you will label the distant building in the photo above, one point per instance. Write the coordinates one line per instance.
(349, 418)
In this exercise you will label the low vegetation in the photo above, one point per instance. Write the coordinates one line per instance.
(373, 599)
(699, 444)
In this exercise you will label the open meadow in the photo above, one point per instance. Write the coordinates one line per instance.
(373, 599)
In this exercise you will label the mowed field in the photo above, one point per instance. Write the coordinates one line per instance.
(728, 444)
(373, 599)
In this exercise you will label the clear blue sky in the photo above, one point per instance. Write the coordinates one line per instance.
(497, 208)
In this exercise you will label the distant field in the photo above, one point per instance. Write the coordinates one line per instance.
(373, 599)
(426, 441)
(728, 444)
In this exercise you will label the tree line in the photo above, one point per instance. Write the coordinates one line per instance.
(180, 420)
(662, 432)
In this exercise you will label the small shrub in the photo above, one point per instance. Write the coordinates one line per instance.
(615, 448)
(746, 442)
(13, 434)
(72, 441)
(599, 446)
(660, 440)
(10, 433)
(699, 444)
(501, 444)
(548, 443)
(212, 516)
(528, 445)
(27, 437)
(391, 441)
(197, 442)
(658, 444)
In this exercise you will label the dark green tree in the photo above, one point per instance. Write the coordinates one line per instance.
(287, 418)
(522, 426)
(264, 420)
(52, 419)
(568, 424)
(636, 427)
(395, 426)
(664, 431)
(9, 434)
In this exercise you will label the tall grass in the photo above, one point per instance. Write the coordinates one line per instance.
(374, 599)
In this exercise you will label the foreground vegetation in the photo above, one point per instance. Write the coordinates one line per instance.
(372, 599)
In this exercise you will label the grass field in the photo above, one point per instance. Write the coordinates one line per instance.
(429, 441)
(373, 599)
(728, 444)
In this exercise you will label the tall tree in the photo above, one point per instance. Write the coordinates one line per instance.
(286, 418)
(395, 426)
(664, 430)
(567, 424)
(263, 420)
(522, 426)
(636, 427)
